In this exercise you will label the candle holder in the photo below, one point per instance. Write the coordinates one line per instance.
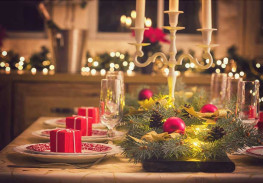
(172, 62)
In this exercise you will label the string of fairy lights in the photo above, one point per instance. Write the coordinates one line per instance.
(93, 67)
(23, 67)
(233, 73)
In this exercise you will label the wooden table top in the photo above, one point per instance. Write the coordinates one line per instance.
(114, 169)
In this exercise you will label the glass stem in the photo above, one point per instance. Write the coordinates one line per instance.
(110, 133)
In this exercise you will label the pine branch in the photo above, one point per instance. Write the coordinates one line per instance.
(227, 135)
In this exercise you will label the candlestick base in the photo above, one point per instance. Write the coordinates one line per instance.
(140, 44)
(139, 33)
(139, 28)
(206, 29)
(173, 17)
(206, 34)
(173, 28)
(207, 46)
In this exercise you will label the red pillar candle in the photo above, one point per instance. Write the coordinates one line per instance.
(252, 113)
(84, 124)
(261, 116)
(65, 140)
(260, 122)
(90, 112)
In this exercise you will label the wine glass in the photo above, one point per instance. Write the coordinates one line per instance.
(218, 88)
(118, 75)
(110, 103)
(248, 101)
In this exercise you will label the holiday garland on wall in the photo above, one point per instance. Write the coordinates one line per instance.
(163, 129)
(110, 61)
(38, 61)
(41, 59)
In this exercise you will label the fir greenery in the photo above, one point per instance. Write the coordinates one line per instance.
(200, 141)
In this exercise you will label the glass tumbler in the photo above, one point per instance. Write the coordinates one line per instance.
(248, 101)
(231, 89)
(218, 89)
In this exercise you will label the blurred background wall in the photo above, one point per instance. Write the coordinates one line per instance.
(239, 23)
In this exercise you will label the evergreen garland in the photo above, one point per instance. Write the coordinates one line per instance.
(106, 59)
(37, 59)
(201, 141)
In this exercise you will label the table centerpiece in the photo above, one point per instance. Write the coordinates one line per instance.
(171, 135)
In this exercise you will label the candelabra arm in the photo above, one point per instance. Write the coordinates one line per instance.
(139, 53)
(206, 55)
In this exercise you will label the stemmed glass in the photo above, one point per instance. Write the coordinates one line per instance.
(118, 75)
(248, 101)
(110, 103)
(218, 88)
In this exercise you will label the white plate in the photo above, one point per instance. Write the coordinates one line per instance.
(53, 157)
(61, 123)
(94, 138)
(255, 151)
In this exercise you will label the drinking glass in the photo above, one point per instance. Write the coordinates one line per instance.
(231, 89)
(218, 89)
(110, 103)
(118, 75)
(248, 101)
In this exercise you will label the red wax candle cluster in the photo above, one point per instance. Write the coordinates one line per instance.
(260, 121)
(260, 116)
(84, 124)
(92, 112)
(252, 113)
(67, 140)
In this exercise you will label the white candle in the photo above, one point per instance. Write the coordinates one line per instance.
(140, 13)
(206, 14)
(173, 5)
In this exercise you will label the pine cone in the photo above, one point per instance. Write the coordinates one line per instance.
(216, 133)
(156, 120)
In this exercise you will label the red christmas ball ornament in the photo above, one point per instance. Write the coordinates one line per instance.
(174, 124)
(208, 108)
(145, 94)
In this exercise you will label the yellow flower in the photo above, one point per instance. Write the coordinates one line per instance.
(164, 101)
(155, 137)
(147, 104)
(208, 117)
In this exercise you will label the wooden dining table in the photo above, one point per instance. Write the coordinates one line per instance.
(15, 167)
